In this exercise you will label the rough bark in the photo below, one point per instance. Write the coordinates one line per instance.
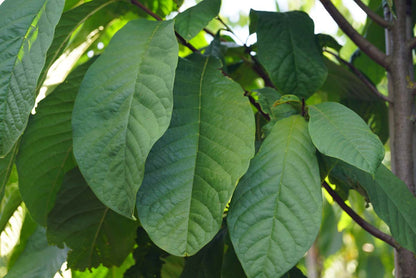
(400, 75)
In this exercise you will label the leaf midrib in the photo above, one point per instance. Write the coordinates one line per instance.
(201, 80)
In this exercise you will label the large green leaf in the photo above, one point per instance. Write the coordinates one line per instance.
(208, 261)
(189, 23)
(45, 152)
(288, 50)
(275, 212)
(26, 32)
(124, 105)
(38, 259)
(390, 197)
(192, 170)
(94, 233)
(338, 132)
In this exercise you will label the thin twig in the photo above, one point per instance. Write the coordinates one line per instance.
(360, 221)
(367, 47)
(255, 104)
(158, 18)
(362, 77)
(374, 16)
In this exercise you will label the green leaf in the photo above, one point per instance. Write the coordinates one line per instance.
(94, 233)
(390, 197)
(208, 261)
(328, 41)
(38, 259)
(190, 22)
(275, 212)
(26, 30)
(192, 170)
(6, 166)
(172, 266)
(338, 132)
(45, 153)
(124, 105)
(288, 50)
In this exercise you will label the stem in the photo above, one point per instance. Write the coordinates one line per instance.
(371, 14)
(158, 18)
(367, 47)
(360, 221)
(361, 76)
(258, 107)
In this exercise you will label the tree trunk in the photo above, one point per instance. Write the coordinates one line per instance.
(400, 76)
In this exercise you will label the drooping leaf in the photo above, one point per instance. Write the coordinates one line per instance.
(288, 50)
(45, 153)
(275, 212)
(390, 197)
(172, 266)
(94, 233)
(208, 261)
(26, 30)
(6, 166)
(38, 259)
(338, 132)
(192, 170)
(190, 22)
(124, 105)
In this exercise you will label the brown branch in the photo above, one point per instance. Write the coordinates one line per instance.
(362, 77)
(367, 47)
(158, 18)
(374, 16)
(360, 221)
(411, 43)
(258, 107)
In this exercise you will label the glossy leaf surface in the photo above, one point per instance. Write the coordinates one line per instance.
(26, 29)
(94, 233)
(275, 212)
(124, 105)
(338, 132)
(192, 170)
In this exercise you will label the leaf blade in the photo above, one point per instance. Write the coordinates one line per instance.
(45, 153)
(275, 212)
(23, 48)
(338, 132)
(196, 164)
(94, 233)
(190, 22)
(289, 52)
(117, 119)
